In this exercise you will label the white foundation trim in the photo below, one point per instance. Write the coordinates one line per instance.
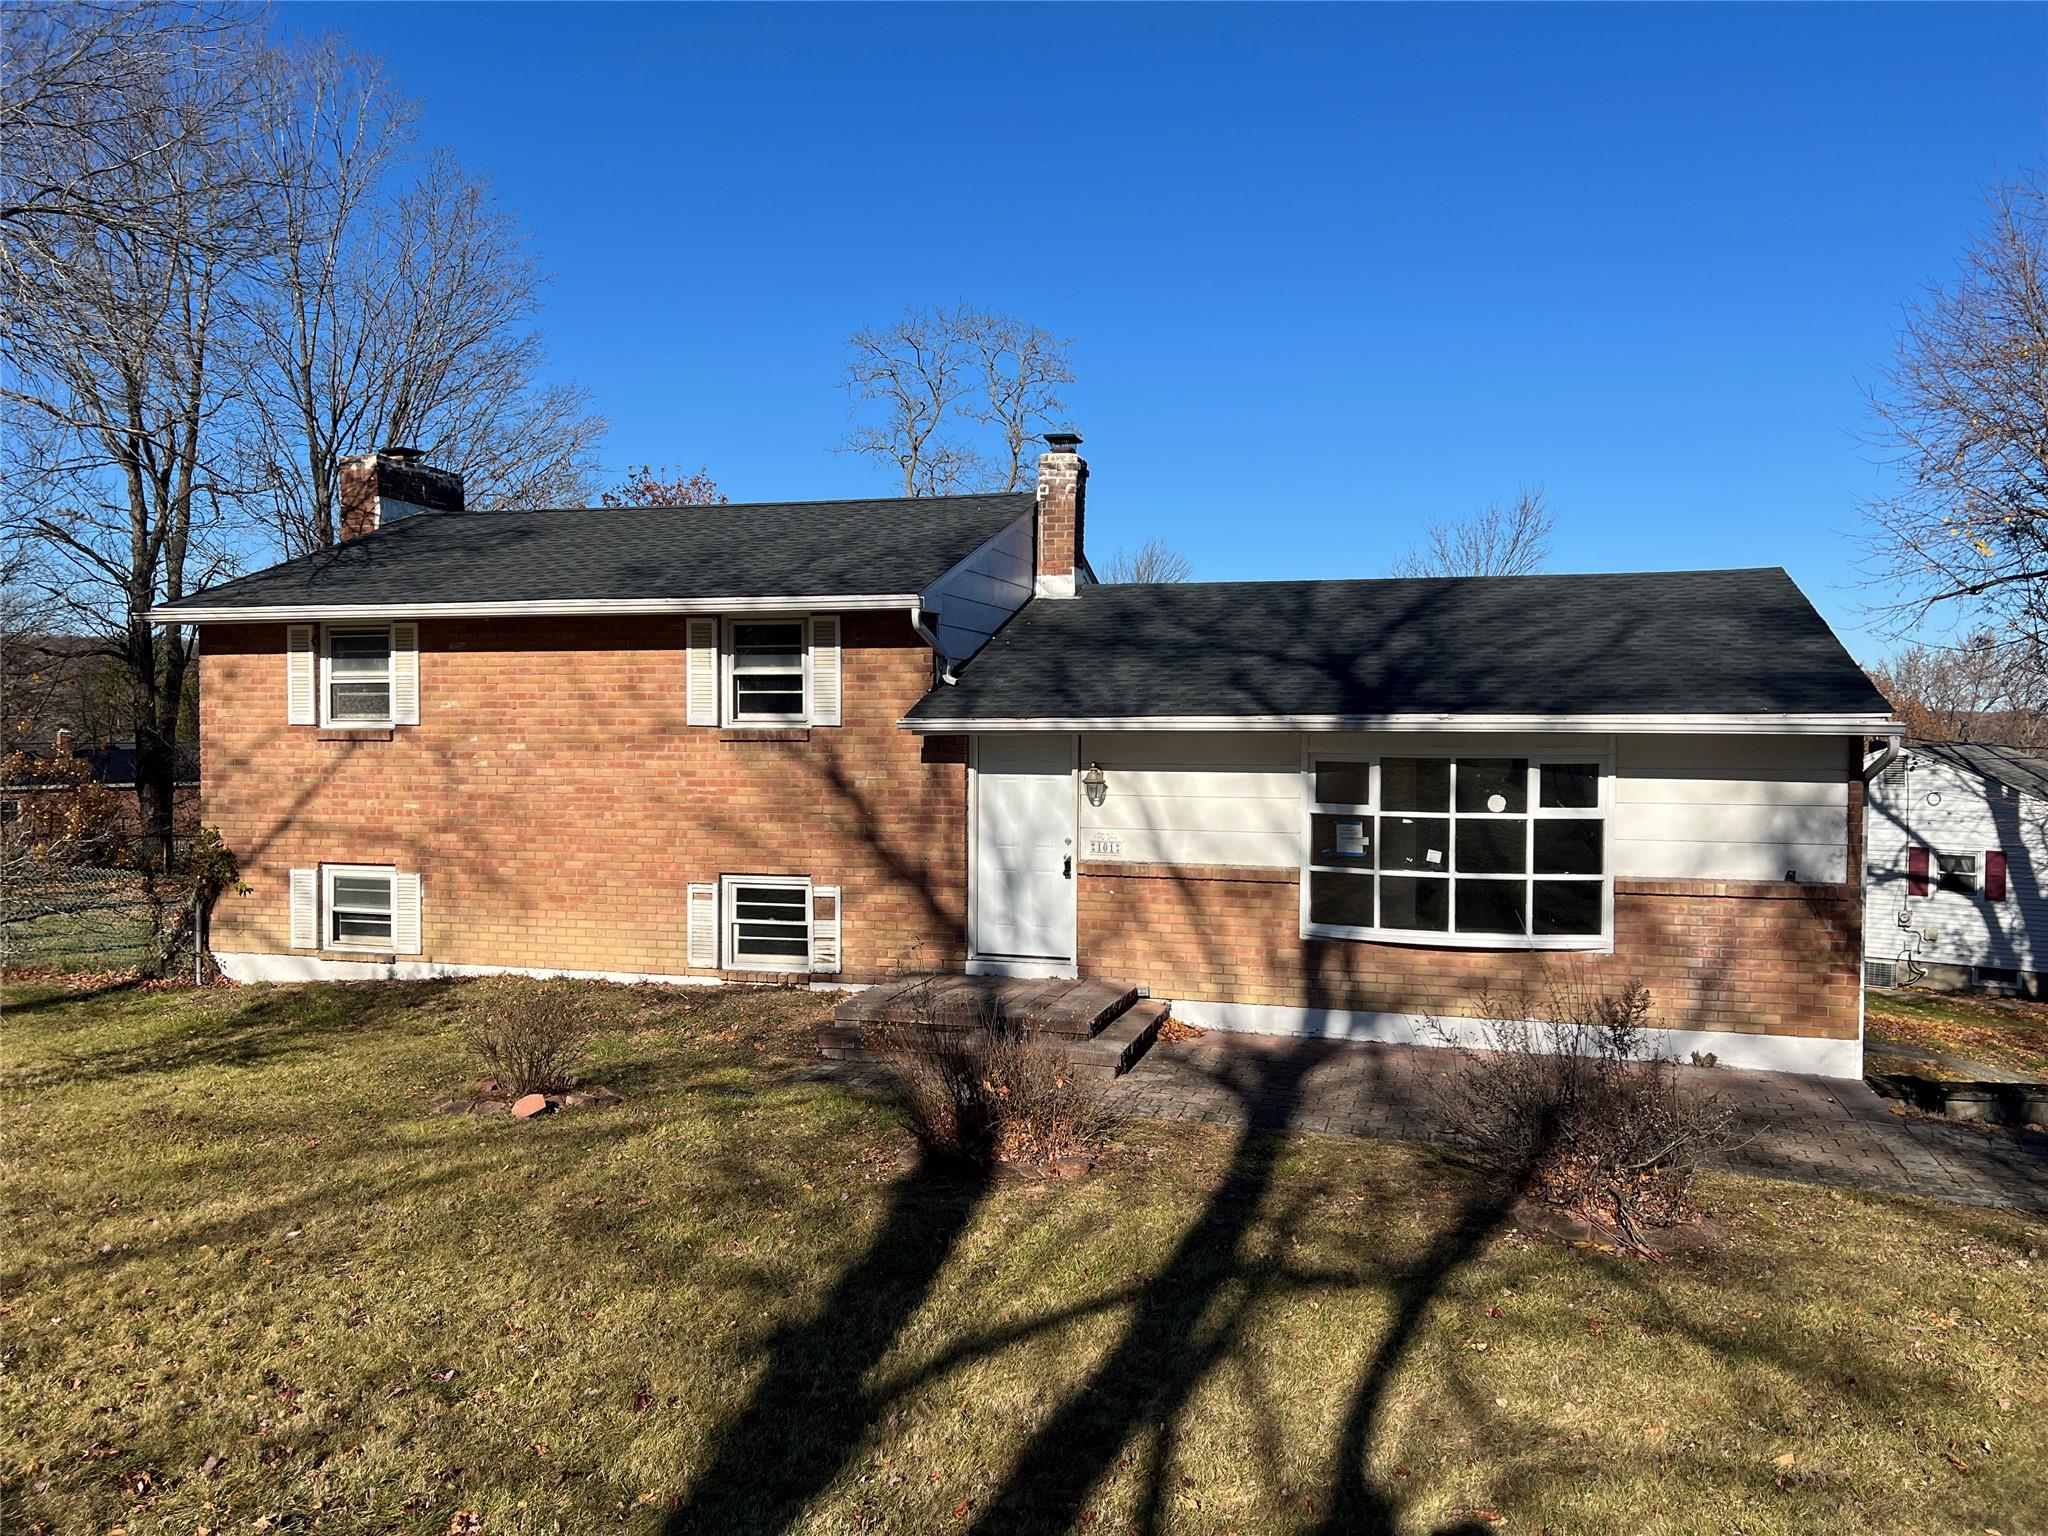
(254, 968)
(1760, 1053)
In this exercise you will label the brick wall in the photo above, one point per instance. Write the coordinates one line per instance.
(1740, 956)
(556, 805)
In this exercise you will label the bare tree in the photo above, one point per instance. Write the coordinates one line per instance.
(1022, 369)
(1153, 561)
(1963, 414)
(1979, 690)
(935, 373)
(648, 485)
(118, 326)
(1498, 540)
(394, 319)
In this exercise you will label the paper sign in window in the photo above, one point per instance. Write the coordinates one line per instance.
(1351, 839)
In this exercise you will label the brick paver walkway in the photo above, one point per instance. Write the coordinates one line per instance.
(1810, 1129)
(1815, 1130)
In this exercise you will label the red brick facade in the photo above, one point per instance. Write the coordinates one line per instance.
(557, 807)
(1736, 956)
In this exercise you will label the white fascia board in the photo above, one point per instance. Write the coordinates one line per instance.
(595, 607)
(1688, 725)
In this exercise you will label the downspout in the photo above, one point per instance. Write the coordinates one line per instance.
(924, 632)
(1873, 766)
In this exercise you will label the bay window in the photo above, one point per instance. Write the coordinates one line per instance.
(1482, 851)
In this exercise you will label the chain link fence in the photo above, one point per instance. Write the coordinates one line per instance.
(73, 917)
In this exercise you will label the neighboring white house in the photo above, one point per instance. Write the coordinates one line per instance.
(1957, 845)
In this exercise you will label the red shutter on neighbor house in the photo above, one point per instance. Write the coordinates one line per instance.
(1994, 875)
(1916, 871)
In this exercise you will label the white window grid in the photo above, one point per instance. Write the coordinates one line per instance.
(1373, 809)
(731, 669)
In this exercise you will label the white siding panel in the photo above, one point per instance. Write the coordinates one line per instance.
(1704, 808)
(1195, 798)
(1948, 927)
(1731, 808)
(978, 596)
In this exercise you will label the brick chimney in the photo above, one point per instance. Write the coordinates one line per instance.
(391, 483)
(1062, 502)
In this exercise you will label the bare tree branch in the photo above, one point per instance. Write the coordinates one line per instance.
(1152, 561)
(1497, 540)
(934, 371)
(1963, 417)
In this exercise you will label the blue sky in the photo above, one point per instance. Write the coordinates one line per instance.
(1329, 271)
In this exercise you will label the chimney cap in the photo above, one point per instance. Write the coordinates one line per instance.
(405, 453)
(1066, 440)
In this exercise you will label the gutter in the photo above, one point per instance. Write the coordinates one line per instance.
(1884, 758)
(1739, 725)
(593, 607)
(925, 633)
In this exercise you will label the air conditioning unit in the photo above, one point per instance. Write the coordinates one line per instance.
(1880, 973)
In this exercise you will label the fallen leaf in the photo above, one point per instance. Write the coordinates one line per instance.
(1957, 1462)
(642, 1402)
(960, 1509)
(1785, 1460)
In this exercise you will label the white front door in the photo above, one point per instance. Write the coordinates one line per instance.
(1023, 893)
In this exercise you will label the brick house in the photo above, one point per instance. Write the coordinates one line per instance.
(828, 742)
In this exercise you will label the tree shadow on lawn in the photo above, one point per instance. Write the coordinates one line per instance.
(258, 1027)
(811, 1413)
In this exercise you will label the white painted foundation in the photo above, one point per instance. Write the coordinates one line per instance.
(256, 968)
(1761, 1053)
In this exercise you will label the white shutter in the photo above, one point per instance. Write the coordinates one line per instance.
(405, 914)
(825, 670)
(405, 674)
(704, 927)
(305, 909)
(300, 669)
(825, 929)
(702, 686)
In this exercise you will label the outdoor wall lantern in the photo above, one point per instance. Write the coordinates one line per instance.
(1095, 784)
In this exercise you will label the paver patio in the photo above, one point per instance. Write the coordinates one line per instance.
(1815, 1130)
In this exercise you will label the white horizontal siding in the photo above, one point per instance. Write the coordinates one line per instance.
(1731, 808)
(978, 596)
(1195, 798)
(1684, 807)
(1975, 816)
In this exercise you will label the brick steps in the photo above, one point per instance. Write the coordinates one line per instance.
(1102, 1028)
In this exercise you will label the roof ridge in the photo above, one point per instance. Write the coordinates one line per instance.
(1366, 581)
(705, 506)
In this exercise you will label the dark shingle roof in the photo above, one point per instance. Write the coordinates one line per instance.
(2024, 771)
(1675, 642)
(762, 549)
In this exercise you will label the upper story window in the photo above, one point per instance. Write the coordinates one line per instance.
(1478, 851)
(768, 672)
(356, 689)
(772, 670)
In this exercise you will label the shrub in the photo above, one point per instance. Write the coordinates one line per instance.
(1563, 1097)
(529, 1037)
(985, 1091)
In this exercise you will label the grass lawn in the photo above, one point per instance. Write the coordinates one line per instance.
(254, 1286)
(2002, 1032)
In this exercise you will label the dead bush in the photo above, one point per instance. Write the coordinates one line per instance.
(529, 1037)
(984, 1091)
(1569, 1097)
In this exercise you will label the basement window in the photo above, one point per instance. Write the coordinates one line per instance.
(1481, 852)
(358, 906)
(767, 924)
